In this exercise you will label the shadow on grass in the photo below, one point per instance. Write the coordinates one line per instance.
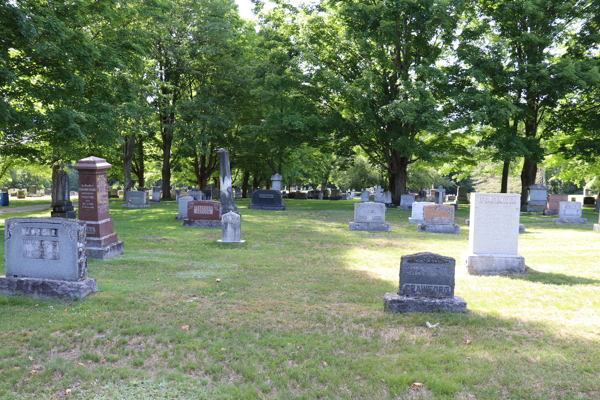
(552, 278)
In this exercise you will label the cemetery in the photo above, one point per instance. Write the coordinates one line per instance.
(300, 200)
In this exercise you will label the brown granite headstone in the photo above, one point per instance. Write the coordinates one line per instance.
(204, 210)
(555, 199)
(438, 214)
(93, 208)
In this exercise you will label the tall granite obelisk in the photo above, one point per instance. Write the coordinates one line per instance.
(93, 209)
(227, 198)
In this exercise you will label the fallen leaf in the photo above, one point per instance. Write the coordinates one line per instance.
(67, 391)
(417, 385)
(223, 349)
(185, 327)
(81, 364)
(16, 368)
(66, 310)
(467, 342)
(300, 347)
(102, 362)
(324, 363)
(218, 280)
(33, 371)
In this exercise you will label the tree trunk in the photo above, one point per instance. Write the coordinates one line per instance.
(398, 174)
(255, 181)
(138, 164)
(166, 170)
(527, 178)
(504, 184)
(128, 149)
(245, 184)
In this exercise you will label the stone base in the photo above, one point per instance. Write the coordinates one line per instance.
(135, 205)
(111, 250)
(551, 212)
(596, 228)
(271, 208)
(533, 208)
(241, 241)
(201, 223)
(569, 220)
(47, 288)
(66, 214)
(154, 202)
(493, 264)
(415, 220)
(369, 226)
(438, 228)
(405, 208)
(393, 302)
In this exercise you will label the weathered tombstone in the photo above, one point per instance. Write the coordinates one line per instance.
(231, 230)
(461, 195)
(156, 194)
(13, 192)
(276, 182)
(237, 192)
(31, 190)
(21, 194)
(335, 194)
(203, 214)
(45, 258)
(537, 198)
(215, 193)
(62, 207)
(589, 201)
(439, 195)
(494, 235)
(387, 199)
(554, 203)
(300, 195)
(438, 218)
(121, 193)
(569, 213)
(369, 217)
(406, 202)
(267, 200)
(93, 209)
(48, 192)
(426, 284)
(379, 195)
(135, 199)
(113, 194)
(197, 194)
(450, 197)
(226, 193)
(183, 207)
(417, 212)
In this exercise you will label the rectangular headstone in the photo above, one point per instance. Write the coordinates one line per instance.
(438, 214)
(494, 223)
(417, 211)
(427, 275)
(204, 210)
(136, 198)
(555, 199)
(569, 209)
(183, 207)
(369, 212)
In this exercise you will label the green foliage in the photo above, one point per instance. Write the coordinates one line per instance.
(360, 175)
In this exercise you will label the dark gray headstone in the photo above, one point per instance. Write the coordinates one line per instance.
(267, 200)
(427, 275)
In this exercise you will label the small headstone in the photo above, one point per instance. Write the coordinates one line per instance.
(589, 201)
(231, 231)
(21, 194)
(215, 193)
(4, 199)
(197, 194)
(113, 194)
(364, 196)
(461, 197)
(135, 199)
(406, 202)
(121, 193)
(494, 235)
(439, 195)
(450, 197)
(438, 218)
(203, 214)
(62, 207)
(569, 213)
(183, 207)
(276, 182)
(554, 203)
(335, 194)
(156, 194)
(426, 284)
(417, 212)
(45, 258)
(31, 190)
(267, 200)
(369, 217)
(387, 198)
(537, 198)
(47, 192)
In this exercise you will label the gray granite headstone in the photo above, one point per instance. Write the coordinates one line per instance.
(62, 207)
(231, 228)
(364, 196)
(136, 199)
(46, 258)
(156, 194)
(183, 207)
(369, 217)
(569, 213)
(276, 182)
(406, 201)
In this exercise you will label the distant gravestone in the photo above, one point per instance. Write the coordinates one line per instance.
(4, 199)
(21, 194)
(537, 198)
(47, 192)
(369, 217)
(461, 195)
(596, 227)
(569, 212)
(387, 198)
(494, 235)
(135, 199)
(197, 194)
(276, 182)
(267, 200)
(426, 284)
(597, 205)
(335, 194)
(31, 190)
(231, 230)
(589, 201)
(364, 196)
(300, 195)
(121, 193)
(203, 214)
(62, 207)
(417, 212)
(113, 194)
(554, 203)
(438, 218)
(183, 207)
(45, 258)
(156, 194)
(439, 195)
(406, 202)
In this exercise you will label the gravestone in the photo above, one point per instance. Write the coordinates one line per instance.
(450, 197)
(589, 201)
(300, 195)
(426, 285)
(215, 193)
(596, 227)
(554, 203)
(93, 209)
(113, 194)
(364, 196)
(461, 195)
(183, 207)
(494, 235)
(438, 218)
(197, 194)
(156, 194)
(135, 199)
(203, 214)
(387, 199)
(439, 195)
(31, 190)
(207, 194)
(569, 212)
(276, 182)
(379, 195)
(121, 193)
(597, 205)
(13, 192)
(537, 198)
(335, 194)
(21, 194)
(267, 200)
(48, 192)
(45, 258)
(417, 212)
(326, 193)
(369, 217)
(406, 202)
(231, 230)
(62, 207)
(226, 198)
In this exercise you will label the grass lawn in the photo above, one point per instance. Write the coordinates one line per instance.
(298, 314)
(29, 201)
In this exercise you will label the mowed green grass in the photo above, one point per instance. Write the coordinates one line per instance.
(298, 314)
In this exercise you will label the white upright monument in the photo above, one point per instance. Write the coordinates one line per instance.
(494, 235)
(276, 182)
